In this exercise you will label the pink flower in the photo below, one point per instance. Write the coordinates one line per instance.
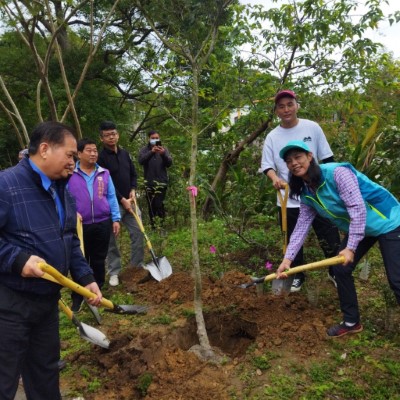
(268, 266)
(213, 249)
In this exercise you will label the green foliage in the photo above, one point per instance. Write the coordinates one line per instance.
(144, 381)
(261, 363)
(282, 387)
(94, 385)
(162, 319)
(320, 372)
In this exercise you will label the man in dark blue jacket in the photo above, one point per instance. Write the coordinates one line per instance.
(37, 224)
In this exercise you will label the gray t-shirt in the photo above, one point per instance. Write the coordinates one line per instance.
(307, 131)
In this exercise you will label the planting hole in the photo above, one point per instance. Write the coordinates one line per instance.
(230, 333)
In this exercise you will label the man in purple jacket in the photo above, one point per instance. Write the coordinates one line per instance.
(96, 202)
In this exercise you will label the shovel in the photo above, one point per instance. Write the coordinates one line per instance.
(280, 286)
(110, 306)
(160, 268)
(86, 332)
(301, 268)
(79, 229)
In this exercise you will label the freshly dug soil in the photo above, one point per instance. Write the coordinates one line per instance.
(149, 355)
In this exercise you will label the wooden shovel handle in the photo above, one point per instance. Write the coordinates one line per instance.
(283, 200)
(140, 224)
(79, 230)
(307, 267)
(64, 281)
(66, 309)
(136, 215)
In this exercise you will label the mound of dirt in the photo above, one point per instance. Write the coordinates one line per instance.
(152, 360)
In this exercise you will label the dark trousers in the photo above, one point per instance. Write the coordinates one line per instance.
(327, 234)
(29, 345)
(155, 197)
(389, 244)
(95, 240)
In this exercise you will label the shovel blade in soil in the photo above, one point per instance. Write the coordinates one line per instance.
(128, 309)
(161, 271)
(281, 286)
(93, 335)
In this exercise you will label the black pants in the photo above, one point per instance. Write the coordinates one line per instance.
(155, 197)
(29, 345)
(95, 240)
(390, 248)
(327, 234)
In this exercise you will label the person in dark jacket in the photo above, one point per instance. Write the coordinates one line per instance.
(37, 224)
(96, 202)
(123, 174)
(155, 160)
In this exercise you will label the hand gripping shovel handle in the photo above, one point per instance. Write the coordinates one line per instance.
(53, 275)
(307, 267)
(64, 281)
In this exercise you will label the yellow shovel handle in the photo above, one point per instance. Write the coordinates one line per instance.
(79, 229)
(64, 281)
(307, 267)
(140, 224)
(66, 309)
(283, 200)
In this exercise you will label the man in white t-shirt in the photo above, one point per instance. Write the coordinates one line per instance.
(293, 128)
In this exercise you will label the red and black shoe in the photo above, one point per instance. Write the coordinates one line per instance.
(342, 329)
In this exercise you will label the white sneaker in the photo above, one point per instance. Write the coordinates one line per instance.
(114, 281)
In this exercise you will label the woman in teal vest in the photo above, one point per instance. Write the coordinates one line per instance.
(364, 210)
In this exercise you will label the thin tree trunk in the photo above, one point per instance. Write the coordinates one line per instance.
(231, 159)
(198, 305)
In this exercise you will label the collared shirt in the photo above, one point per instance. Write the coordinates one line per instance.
(50, 186)
(345, 181)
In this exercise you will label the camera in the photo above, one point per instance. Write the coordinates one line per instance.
(158, 143)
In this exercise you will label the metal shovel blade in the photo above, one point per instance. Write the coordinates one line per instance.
(282, 286)
(161, 271)
(91, 334)
(128, 309)
(95, 312)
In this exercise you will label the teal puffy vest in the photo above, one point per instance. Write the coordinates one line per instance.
(383, 209)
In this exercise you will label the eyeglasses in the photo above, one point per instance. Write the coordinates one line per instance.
(108, 135)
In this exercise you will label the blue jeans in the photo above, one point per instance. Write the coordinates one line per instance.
(390, 249)
(137, 247)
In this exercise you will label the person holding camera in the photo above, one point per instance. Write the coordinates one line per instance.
(155, 160)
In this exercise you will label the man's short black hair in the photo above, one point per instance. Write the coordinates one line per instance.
(84, 142)
(151, 133)
(107, 126)
(51, 132)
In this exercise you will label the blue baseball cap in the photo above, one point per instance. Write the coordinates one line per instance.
(294, 144)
